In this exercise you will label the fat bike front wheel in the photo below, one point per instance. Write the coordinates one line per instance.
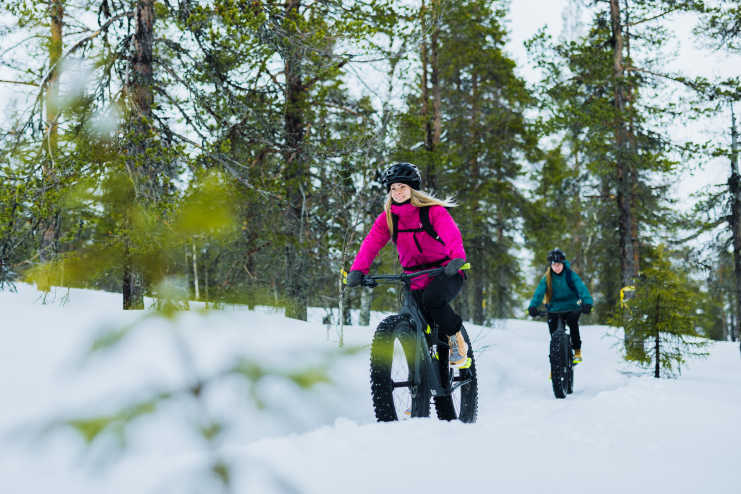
(560, 365)
(398, 391)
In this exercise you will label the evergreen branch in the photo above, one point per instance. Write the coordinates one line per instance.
(227, 163)
(679, 79)
(19, 83)
(649, 19)
(314, 80)
(82, 42)
(700, 230)
(182, 111)
(21, 42)
(703, 87)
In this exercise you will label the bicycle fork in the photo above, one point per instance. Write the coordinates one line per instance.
(428, 360)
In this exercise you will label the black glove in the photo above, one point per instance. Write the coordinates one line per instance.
(533, 311)
(586, 308)
(354, 278)
(452, 268)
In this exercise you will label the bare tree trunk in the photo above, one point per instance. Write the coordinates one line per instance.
(431, 86)
(141, 93)
(295, 173)
(624, 189)
(49, 222)
(195, 271)
(366, 297)
(732, 315)
(657, 370)
(626, 228)
(425, 83)
(478, 292)
(734, 186)
(435, 76)
(341, 312)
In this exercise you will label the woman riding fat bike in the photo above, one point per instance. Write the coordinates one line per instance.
(407, 366)
(426, 237)
(564, 295)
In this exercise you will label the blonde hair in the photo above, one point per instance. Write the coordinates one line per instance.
(418, 199)
(548, 286)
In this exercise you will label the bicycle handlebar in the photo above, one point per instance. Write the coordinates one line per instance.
(372, 281)
(544, 313)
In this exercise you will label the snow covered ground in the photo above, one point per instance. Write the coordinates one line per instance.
(621, 430)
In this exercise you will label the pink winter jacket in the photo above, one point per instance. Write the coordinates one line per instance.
(425, 250)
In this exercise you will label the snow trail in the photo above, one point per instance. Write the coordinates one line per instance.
(620, 430)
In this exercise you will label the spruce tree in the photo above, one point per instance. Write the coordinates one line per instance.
(600, 99)
(479, 152)
(662, 317)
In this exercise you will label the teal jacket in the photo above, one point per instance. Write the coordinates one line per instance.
(563, 298)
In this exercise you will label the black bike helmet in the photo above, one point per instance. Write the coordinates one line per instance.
(556, 255)
(404, 173)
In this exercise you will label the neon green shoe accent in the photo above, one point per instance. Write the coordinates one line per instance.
(466, 266)
(468, 364)
(428, 330)
(436, 356)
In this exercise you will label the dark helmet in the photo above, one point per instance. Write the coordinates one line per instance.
(556, 255)
(405, 173)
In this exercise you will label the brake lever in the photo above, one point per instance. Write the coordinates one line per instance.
(370, 283)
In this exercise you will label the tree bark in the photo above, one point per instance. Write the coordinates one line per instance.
(141, 96)
(435, 78)
(431, 95)
(477, 293)
(366, 297)
(626, 227)
(295, 172)
(195, 271)
(657, 370)
(734, 186)
(622, 161)
(49, 224)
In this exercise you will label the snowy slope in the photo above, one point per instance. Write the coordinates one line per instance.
(620, 430)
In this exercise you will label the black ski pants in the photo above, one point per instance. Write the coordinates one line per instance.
(435, 301)
(571, 319)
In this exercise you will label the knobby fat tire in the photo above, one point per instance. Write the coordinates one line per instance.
(390, 329)
(468, 393)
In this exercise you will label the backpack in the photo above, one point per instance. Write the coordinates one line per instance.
(570, 282)
(424, 218)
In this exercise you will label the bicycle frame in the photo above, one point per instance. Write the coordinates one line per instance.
(561, 326)
(425, 341)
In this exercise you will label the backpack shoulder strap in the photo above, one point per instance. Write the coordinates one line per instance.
(424, 218)
(570, 282)
(395, 232)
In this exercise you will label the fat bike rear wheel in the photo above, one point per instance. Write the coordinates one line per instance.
(462, 404)
(570, 380)
(398, 391)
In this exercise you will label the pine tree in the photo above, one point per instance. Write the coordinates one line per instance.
(662, 317)
(484, 139)
(598, 94)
